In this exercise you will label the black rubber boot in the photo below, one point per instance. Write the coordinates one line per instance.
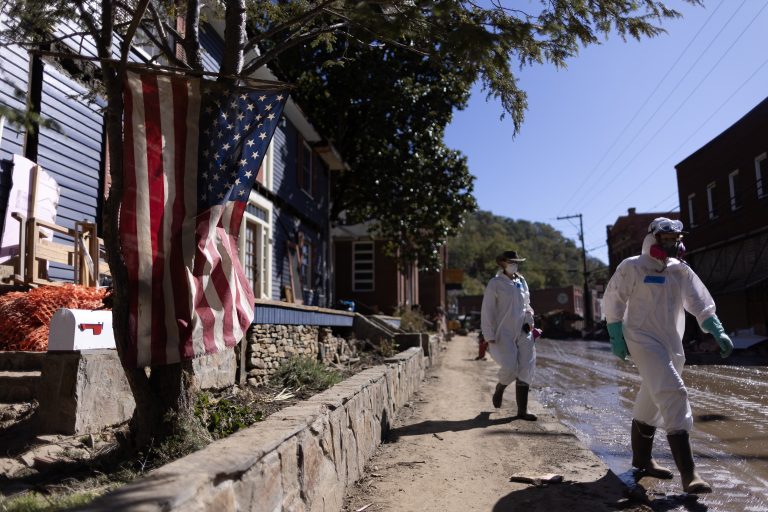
(681, 451)
(521, 392)
(642, 443)
(498, 395)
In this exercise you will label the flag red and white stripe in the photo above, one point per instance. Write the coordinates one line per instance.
(188, 293)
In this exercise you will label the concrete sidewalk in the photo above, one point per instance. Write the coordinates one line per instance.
(450, 450)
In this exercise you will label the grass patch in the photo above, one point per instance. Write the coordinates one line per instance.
(308, 375)
(225, 416)
(36, 502)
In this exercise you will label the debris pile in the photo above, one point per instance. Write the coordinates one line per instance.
(25, 316)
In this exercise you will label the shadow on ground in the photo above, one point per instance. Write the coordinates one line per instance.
(482, 420)
(603, 495)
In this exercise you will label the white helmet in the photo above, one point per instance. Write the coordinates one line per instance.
(665, 225)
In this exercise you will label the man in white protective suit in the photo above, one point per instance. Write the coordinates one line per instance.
(644, 306)
(507, 325)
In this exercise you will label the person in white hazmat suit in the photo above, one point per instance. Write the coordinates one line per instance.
(644, 306)
(507, 325)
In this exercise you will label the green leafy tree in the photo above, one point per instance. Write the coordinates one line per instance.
(552, 259)
(386, 109)
(487, 41)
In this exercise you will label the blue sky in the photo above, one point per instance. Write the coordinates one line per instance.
(604, 134)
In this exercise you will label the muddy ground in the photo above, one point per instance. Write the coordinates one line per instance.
(450, 450)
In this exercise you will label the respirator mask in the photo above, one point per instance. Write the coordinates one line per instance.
(667, 248)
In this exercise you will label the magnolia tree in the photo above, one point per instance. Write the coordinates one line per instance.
(481, 42)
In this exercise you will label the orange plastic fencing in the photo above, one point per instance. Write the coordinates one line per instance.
(25, 316)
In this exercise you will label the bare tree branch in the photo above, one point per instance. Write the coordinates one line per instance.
(274, 52)
(90, 22)
(135, 22)
(29, 44)
(234, 37)
(379, 36)
(307, 16)
(162, 45)
(192, 35)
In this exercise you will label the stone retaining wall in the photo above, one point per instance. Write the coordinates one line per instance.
(269, 345)
(299, 459)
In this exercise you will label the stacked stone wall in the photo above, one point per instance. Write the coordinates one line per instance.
(300, 458)
(270, 345)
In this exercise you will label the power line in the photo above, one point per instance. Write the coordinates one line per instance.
(701, 126)
(647, 99)
(664, 124)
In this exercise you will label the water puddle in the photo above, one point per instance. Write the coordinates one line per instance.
(592, 392)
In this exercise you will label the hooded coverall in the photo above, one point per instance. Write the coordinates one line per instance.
(650, 298)
(506, 307)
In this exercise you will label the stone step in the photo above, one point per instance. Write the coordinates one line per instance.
(17, 361)
(16, 387)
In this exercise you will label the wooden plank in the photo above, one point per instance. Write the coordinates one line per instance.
(52, 251)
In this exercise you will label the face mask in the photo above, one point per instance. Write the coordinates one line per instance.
(669, 249)
(510, 268)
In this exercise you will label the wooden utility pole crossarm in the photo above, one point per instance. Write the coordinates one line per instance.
(587, 298)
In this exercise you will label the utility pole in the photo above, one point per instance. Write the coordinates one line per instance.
(587, 298)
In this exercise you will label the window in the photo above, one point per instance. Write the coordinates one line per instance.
(306, 264)
(255, 252)
(735, 190)
(711, 200)
(362, 266)
(761, 175)
(305, 170)
(691, 211)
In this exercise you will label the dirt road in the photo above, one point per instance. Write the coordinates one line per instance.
(452, 451)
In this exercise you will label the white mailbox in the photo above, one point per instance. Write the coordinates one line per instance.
(80, 329)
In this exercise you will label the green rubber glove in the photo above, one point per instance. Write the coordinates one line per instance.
(618, 345)
(713, 326)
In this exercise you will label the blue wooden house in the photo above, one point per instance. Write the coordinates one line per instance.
(285, 235)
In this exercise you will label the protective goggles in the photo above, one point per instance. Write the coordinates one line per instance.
(666, 226)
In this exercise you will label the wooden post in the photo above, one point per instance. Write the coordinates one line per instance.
(31, 205)
(31, 264)
(94, 250)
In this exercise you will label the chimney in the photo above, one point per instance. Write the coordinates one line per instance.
(631, 210)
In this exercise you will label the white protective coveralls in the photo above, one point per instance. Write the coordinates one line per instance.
(506, 307)
(649, 299)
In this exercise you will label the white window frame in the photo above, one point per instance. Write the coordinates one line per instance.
(372, 280)
(306, 146)
(266, 241)
(2, 125)
(267, 163)
(711, 200)
(732, 189)
(761, 181)
(691, 213)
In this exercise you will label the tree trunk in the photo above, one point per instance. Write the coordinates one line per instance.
(167, 388)
(234, 38)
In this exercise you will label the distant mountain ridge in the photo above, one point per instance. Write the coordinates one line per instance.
(552, 259)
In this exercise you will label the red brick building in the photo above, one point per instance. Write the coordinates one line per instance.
(366, 274)
(625, 236)
(723, 191)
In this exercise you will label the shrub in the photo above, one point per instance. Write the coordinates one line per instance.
(308, 374)
(225, 416)
(412, 320)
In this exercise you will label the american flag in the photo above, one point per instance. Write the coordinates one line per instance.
(193, 149)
